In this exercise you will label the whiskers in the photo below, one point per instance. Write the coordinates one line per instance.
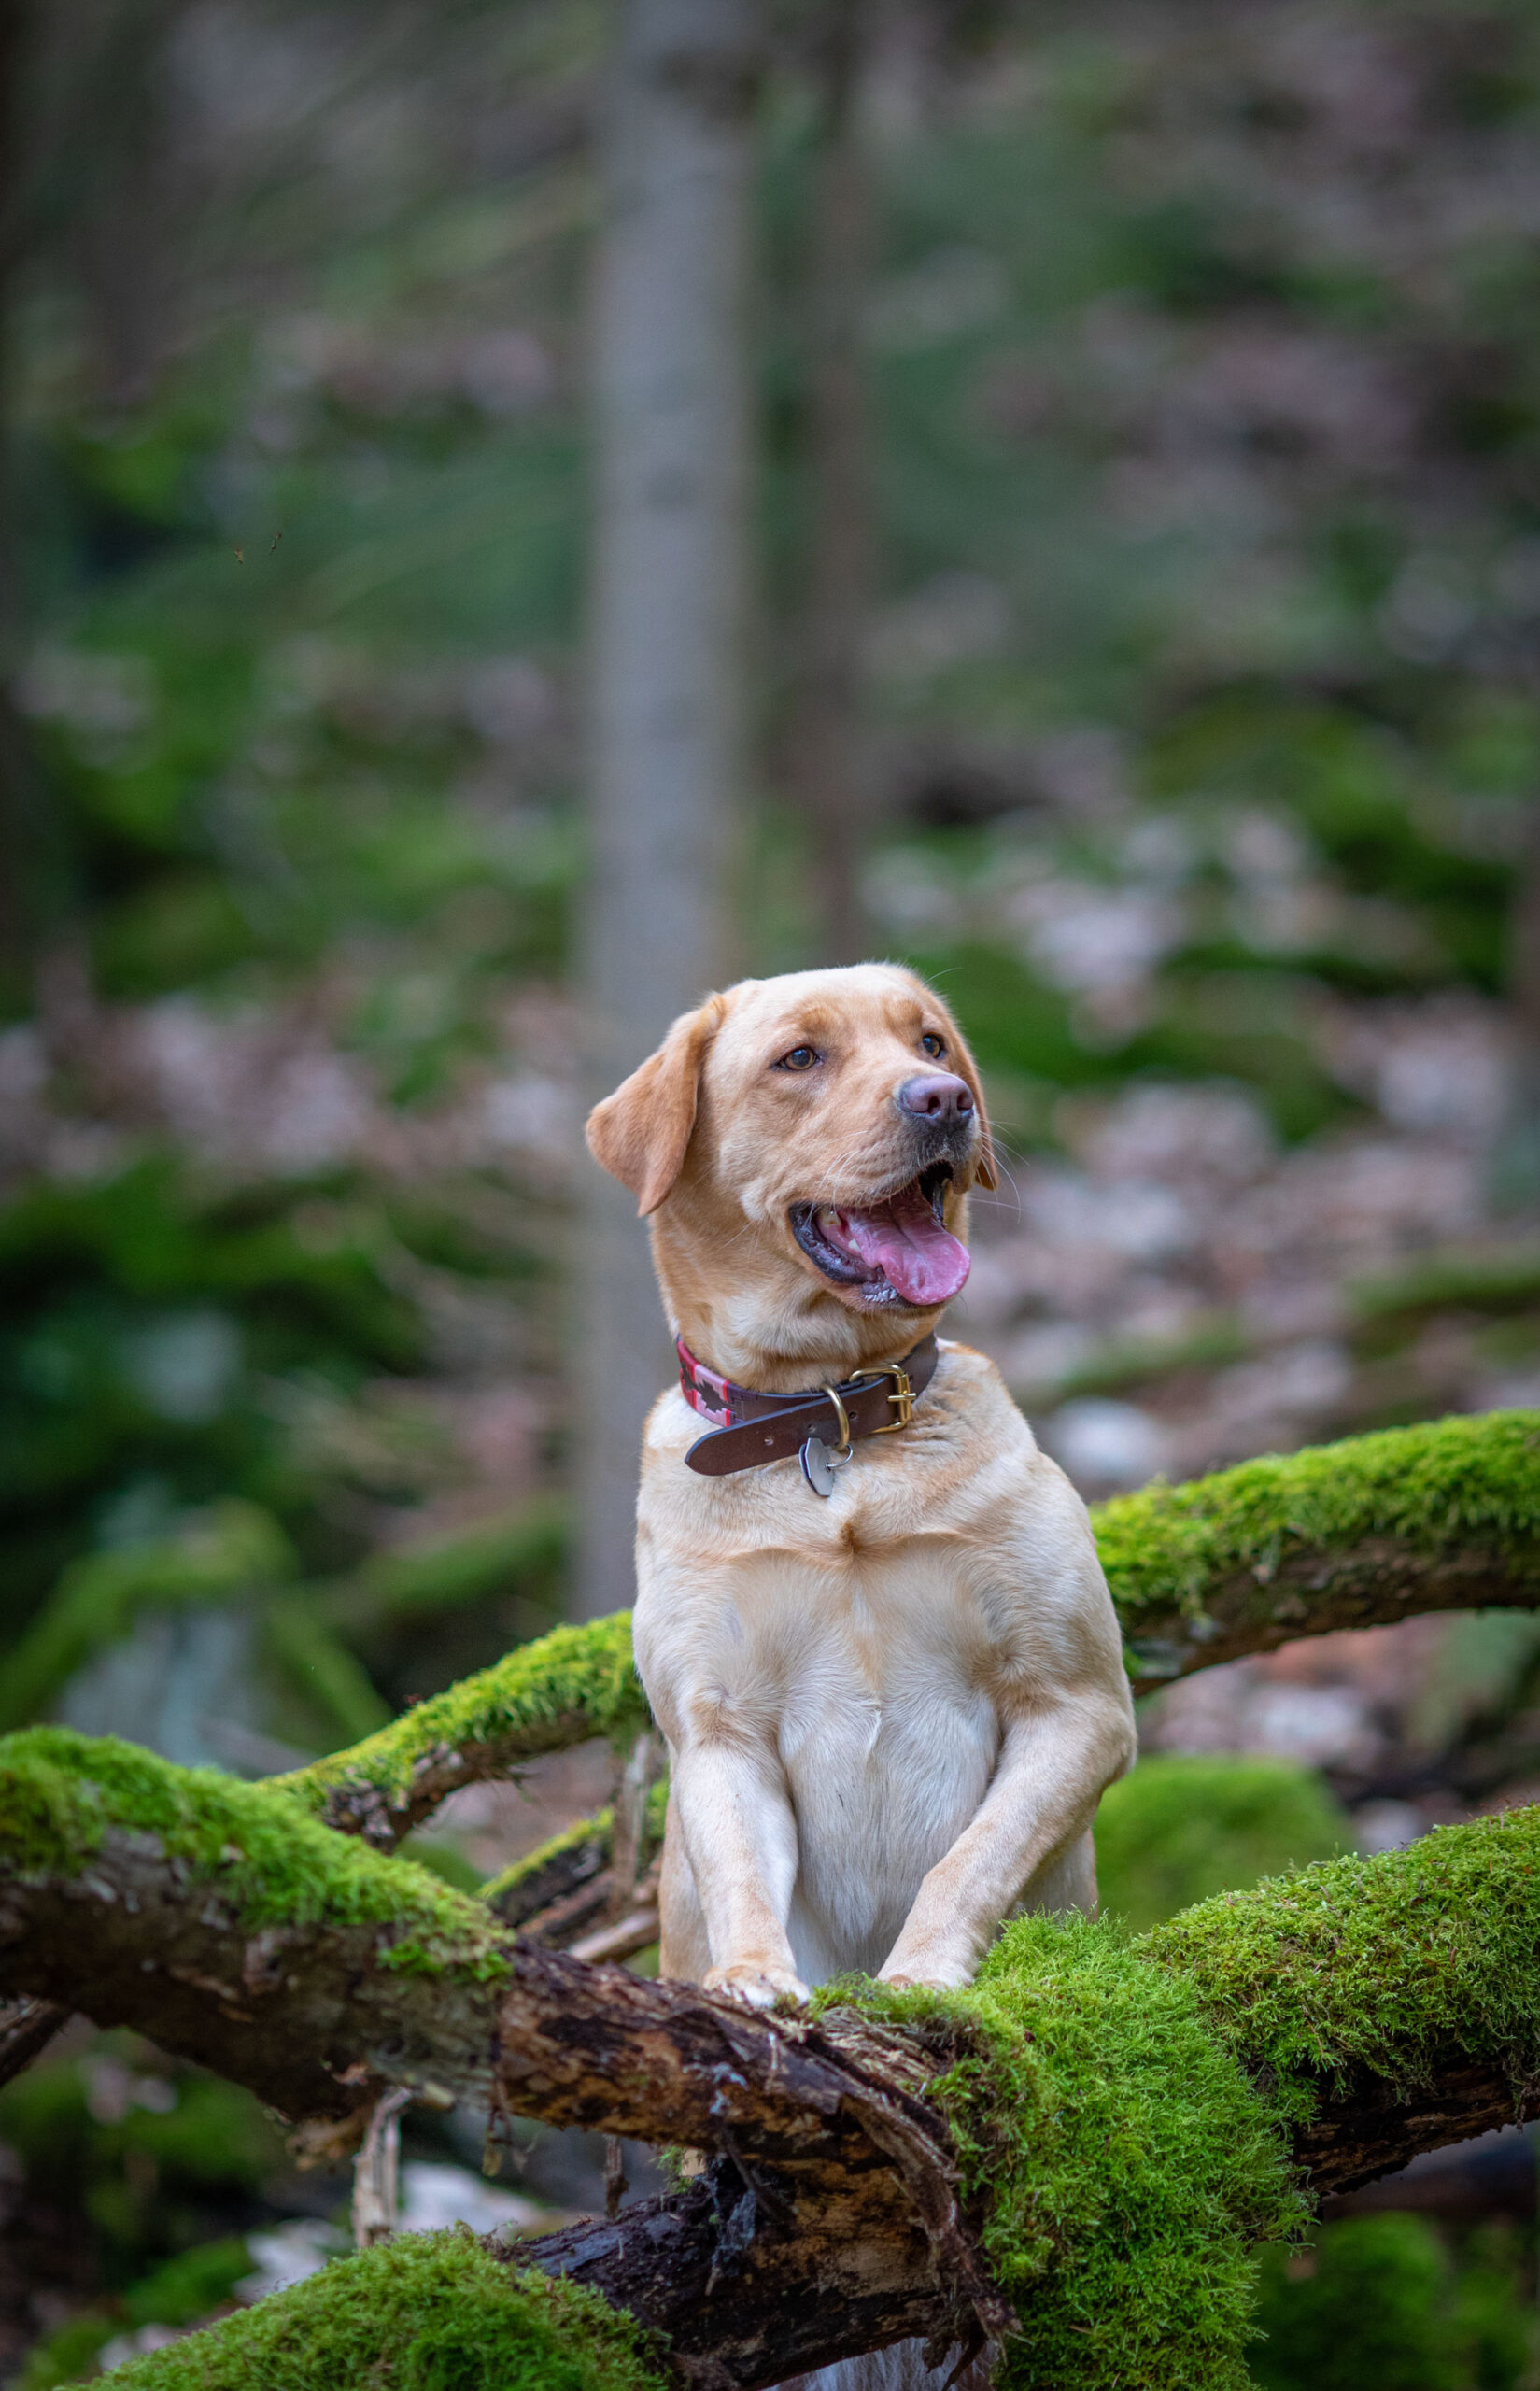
(996, 1198)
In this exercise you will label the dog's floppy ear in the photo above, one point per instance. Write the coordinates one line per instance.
(962, 1062)
(641, 1133)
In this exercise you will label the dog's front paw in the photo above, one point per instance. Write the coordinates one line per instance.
(758, 1984)
(926, 1972)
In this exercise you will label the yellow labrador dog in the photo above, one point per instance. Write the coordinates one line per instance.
(871, 1620)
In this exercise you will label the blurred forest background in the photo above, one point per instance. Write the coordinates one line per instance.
(1144, 520)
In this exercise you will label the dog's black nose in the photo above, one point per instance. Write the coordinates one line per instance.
(939, 1097)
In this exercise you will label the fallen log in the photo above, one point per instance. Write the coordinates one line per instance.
(1097, 2119)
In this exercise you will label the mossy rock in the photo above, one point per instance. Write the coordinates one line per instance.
(426, 2311)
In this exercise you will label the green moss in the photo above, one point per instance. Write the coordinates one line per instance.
(1185, 1825)
(1125, 2160)
(565, 1687)
(429, 2312)
(224, 1550)
(1122, 2108)
(1395, 1964)
(1433, 1487)
(63, 1794)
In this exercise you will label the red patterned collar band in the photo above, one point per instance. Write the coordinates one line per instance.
(707, 1390)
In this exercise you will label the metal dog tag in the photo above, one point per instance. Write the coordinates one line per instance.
(819, 1465)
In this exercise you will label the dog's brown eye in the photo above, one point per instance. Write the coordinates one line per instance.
(932, 1046)
(801, 1058)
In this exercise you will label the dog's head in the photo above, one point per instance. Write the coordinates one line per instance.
(805, 1146)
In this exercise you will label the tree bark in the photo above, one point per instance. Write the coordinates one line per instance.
(569, 1686)
(26, 2028)
(1372, 1583)
(671, 407)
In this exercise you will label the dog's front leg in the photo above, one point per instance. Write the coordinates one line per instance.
(1053, 1766)
(740, 1837)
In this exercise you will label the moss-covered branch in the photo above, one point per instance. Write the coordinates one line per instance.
(1120, 2120)
(221, 1920)
(1445, 1516)
(572, 1684)
(1131, 2116)
(242, 1933)
(1441, 1517)
(1393, 2003)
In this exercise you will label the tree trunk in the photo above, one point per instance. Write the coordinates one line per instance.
(830, 767)
(671, 402)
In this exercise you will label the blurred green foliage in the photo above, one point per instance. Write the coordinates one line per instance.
(184, 2291)
(1185, 1825)
(1378, 2301)
(145, 1322)
(144, 2152)
(230, 1550)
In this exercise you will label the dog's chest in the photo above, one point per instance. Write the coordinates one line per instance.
(888, 1736)
(876, 1660)
(866, 1627)
(872, 1655)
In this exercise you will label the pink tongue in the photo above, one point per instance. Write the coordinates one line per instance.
(926, 1263)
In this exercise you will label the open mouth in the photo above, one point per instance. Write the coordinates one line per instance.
(897, 1251)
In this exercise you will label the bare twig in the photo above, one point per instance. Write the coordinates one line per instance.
(375, 2172)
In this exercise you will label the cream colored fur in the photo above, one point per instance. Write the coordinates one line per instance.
(890, 1716)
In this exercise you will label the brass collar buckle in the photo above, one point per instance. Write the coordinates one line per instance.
(901, 1396)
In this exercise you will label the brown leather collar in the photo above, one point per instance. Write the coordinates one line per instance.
(754, 1428)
